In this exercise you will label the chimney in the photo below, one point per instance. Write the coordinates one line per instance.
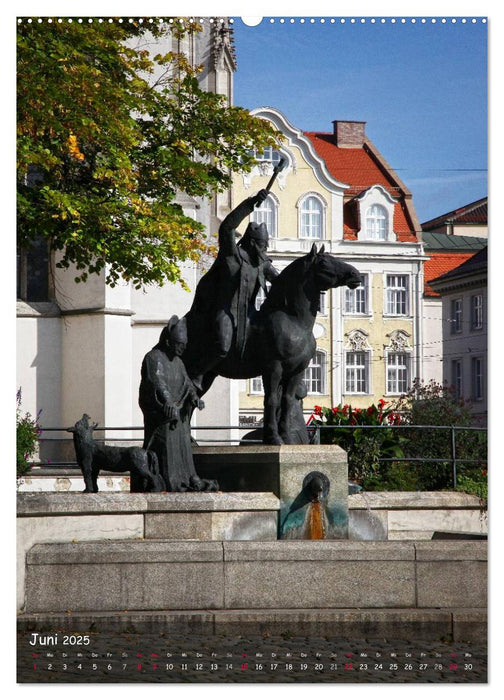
(349, 134)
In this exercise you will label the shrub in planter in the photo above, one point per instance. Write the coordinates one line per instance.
(27, 436)
(341, 426)
(434, 404)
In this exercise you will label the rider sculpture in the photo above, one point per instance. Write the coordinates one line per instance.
(225, 297)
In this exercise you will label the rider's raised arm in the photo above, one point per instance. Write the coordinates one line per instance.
(227, 229)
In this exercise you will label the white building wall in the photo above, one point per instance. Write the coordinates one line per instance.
(433, 339)
(466, 345)
(83, 368)
(38, 371)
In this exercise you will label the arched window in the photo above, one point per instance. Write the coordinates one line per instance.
(266, 213)
(269, 154)
(314, 375)
(311, 218)
(376, 223)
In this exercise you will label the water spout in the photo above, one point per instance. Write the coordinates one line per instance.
(315, 524)
(314, 513)
(316, 487)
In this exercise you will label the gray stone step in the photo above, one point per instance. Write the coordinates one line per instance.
(465, 625)
(138, 575)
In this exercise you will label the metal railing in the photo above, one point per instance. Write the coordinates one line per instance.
(451, 458)
(315, 432)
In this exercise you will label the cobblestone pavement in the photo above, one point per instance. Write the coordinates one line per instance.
(160, 658)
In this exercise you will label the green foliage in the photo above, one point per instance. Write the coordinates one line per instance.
(107, 135)
(364, 446)
(426, 405)
(27, 436)
(476, 484)
(393, 476)
(434, 404)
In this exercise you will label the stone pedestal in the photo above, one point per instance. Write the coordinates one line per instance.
(99, 517)
(285, 470)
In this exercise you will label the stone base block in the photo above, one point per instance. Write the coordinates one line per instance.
(185, 575)
(66, 517)
(212, 526)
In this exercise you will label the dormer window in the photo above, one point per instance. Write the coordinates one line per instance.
(376, 223)
(376, 214)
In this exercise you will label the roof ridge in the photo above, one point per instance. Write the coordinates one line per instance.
(454, 213)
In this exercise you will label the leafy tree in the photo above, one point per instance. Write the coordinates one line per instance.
(107, 135)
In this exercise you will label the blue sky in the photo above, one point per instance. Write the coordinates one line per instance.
(421, 88)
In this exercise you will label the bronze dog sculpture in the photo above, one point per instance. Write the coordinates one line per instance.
(93, 456)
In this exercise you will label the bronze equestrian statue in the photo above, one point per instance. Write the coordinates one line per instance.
(227, 336)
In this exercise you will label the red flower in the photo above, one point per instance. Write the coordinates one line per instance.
(370, 411)
(317, 410)
(394, 418)
(335, 410)
(382, 403)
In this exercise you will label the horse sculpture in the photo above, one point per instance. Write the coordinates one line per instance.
(279, 342)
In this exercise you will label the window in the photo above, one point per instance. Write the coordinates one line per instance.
(322, 304)
(456, 316)
(397, 295)
(356, 373)
(268, 155)
(376, 208)
(256, 385)
(477, 312)
(397, 372)
(311, 221)
(356, 300)
(266, 213)
(477, 378)
(376, 223)
(456, 377)
(314, 375)
(33, 271)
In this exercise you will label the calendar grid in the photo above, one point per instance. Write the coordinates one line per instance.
(131, 658)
